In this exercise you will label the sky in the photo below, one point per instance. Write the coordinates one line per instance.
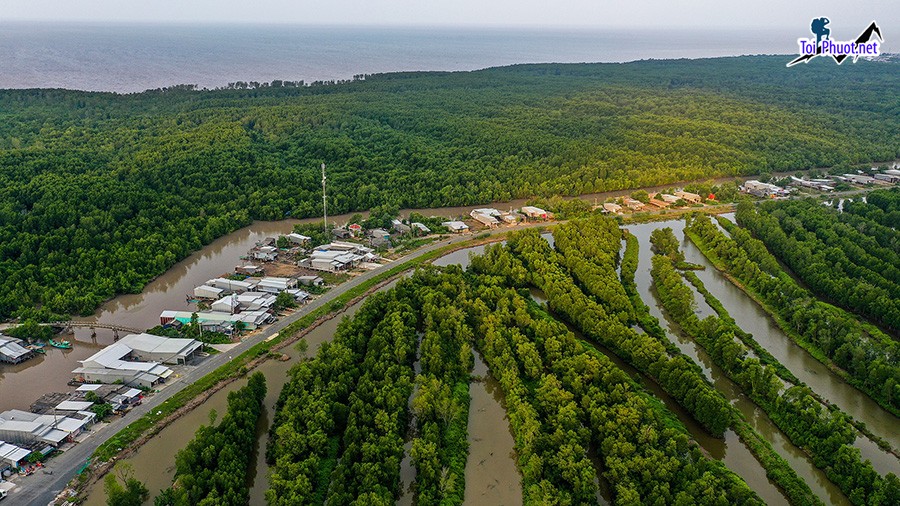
(726, 14)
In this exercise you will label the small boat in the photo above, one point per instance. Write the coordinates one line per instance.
(37, 348)
(65, 345)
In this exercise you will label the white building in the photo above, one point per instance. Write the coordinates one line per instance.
(345, 247)
(275, 285)
(12, 351)
(612, 208)
(247, 301)
(485, 219)
(421, 226)
(115, 364)
(232, 285)
(332, 260)
(297, 238)
(457, 227)
(487, 211)
(208, 292)
(218, 321)
(399, 226)
(227, 304)
(265, 253)
(11, 455)
(25, 428)
(167, 350)
(761, 189)
(310, 280)
(248, 269)
(535, 213)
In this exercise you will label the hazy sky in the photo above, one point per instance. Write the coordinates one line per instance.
(848, 17)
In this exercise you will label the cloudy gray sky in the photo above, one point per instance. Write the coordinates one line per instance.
(574, 13)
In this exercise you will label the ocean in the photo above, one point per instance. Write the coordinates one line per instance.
(135, 57)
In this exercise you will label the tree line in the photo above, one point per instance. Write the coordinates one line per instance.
(341, 418)
(823, 432)
(101, 192)
(867, 357)
(212, 469)
(545, 370)
(850, 259)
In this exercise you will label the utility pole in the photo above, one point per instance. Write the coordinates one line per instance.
(324, 201)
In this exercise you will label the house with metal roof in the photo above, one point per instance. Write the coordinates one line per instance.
(310, 280)
(25, 428)
(218, 321)
(208, 292)
(232, 285)
(399, 226)
(12, 351)
(536, 213)
(298, 238)
(456, 227)
(485, 219)
(11, 455)
(271, 284)
(421, 227)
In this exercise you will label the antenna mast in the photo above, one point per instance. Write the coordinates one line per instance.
(324, 201)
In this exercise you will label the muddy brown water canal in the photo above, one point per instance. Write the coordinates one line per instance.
(154, 462)
(752, 318)
(489, 434)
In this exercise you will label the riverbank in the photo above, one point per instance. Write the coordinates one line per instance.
(800, 341)
(264, 346)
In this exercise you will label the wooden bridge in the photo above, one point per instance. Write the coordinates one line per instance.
(94, 326)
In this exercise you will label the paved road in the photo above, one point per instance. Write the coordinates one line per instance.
(41, 489)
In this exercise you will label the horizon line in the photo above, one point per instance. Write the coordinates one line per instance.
(304, 24)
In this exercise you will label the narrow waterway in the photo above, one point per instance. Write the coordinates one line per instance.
(730, 449)
(22, 384)
(154, 462)
(492, 476)
(752, 318)
(756, 417)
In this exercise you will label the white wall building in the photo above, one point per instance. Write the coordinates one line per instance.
(457, 227)
(232, 285)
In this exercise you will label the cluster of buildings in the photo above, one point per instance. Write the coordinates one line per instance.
(248, 301)
(339, 256)
(56, 419)
(824, 185)
(875, 177)
(656, 201)
(764, 190)
(491, 218)
(43, 432)
(891, 175)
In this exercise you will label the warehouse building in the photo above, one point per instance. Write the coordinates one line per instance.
(232, 285)
(118, 363)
